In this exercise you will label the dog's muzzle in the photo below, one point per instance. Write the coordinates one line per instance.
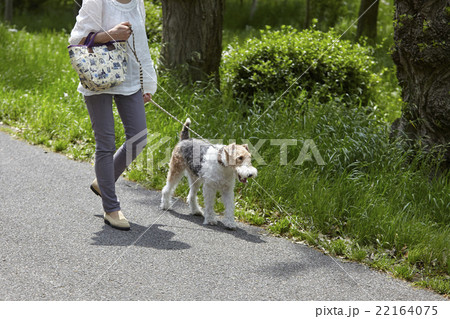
(245, 172)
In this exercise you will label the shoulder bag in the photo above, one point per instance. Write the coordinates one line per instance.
(99, 66)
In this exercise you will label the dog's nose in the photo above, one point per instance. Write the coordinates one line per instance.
(250, 176)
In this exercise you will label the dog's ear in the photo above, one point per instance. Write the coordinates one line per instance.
(230, 149)
(227, 156)
(230, 152)
(246, 147)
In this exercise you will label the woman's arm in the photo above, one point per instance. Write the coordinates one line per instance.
(150, 77)
(120, 32)
(89, 19)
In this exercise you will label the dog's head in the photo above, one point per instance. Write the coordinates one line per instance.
(239, 158)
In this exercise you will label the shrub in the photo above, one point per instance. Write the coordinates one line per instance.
(153, 20)
(309, 60)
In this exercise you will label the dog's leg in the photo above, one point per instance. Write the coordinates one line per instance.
(194, 186)
(228, 201)
(176, 172)
(209, 194)
(168, 190)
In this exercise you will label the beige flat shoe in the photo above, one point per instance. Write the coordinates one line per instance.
(95, 188)
(116, 220)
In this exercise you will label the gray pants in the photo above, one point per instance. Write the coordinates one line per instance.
(109, 164)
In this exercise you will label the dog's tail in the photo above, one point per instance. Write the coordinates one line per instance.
(185, 132)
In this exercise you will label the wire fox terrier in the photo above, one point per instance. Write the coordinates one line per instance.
(215, 166)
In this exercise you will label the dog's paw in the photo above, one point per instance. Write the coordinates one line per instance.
(197, 212)
(165, 205)
(210, 221)
(229, 224)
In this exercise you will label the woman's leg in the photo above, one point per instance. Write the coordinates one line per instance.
(132, 112)
(102, 120)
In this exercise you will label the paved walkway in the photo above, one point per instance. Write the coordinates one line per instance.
(55, 246)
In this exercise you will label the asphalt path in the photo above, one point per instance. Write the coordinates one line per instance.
(55, 246)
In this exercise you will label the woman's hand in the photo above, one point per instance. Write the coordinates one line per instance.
(121, 32)
(147, 97)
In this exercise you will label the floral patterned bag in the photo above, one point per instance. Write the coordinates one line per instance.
(99, 66)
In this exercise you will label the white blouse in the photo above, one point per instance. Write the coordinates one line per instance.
(102, 15)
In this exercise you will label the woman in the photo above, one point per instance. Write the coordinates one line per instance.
(116, 20)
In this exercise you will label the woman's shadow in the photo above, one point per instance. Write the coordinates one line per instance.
(151, 237)
(157, 237)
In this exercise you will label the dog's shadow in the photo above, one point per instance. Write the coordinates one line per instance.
(151, 237)
(220, 227)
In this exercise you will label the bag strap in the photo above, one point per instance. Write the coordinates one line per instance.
(89, 42)
(133, 49)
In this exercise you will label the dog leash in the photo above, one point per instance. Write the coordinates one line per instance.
(176, 119)
(133, 49)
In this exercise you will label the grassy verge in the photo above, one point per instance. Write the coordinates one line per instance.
(367, 203)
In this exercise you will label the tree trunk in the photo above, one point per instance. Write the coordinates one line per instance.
(253, 9)
(367, 23)
(192, 36)
(8, 11)
(422, 46)
(308, 16)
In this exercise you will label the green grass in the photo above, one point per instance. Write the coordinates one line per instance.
(369, 202)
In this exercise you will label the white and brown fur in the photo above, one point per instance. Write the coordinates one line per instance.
(215, 166)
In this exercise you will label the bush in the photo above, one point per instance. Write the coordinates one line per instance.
(153, 20)
(309, 60)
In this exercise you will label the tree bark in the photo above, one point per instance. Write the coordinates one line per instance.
(8, 11)
(367, 23)
(253, 9)
(192, 36)
(422, 56)
(308, 15)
